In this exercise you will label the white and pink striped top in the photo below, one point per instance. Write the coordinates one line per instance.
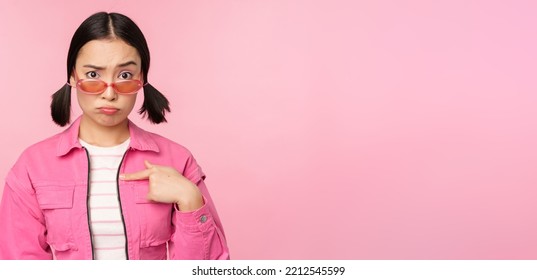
(105, 217)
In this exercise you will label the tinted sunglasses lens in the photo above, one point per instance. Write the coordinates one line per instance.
(90, 86)
(128, 87)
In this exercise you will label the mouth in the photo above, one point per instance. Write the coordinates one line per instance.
(108, 110)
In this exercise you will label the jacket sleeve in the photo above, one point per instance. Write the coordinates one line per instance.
(22, 224)
(198, 234)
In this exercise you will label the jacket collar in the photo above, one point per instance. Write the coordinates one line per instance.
(140, 139)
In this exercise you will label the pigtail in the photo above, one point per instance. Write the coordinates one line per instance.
(60, 107)
(155, 105)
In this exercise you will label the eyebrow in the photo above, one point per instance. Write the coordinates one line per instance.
(102, 68)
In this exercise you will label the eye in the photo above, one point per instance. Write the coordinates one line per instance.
(125, 75)
(92, 75)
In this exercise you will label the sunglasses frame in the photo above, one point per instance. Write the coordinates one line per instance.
(107, 85)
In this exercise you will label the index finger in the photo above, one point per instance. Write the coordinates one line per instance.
(140, 175)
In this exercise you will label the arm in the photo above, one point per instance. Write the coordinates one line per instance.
(197, 230)
(22, 224)
(198, 234)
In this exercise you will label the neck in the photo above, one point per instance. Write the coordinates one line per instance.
(103, 136)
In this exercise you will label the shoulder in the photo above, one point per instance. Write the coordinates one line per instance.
(34, 158)
(167, 145)
(147, 140)
(45, 147)
(180, 156)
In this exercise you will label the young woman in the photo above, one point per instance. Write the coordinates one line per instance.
(104, 188)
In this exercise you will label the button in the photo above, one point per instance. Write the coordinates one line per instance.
(203, 218)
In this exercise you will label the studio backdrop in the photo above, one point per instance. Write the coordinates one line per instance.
(327, 129)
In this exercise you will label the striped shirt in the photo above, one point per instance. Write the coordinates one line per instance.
(106, 224)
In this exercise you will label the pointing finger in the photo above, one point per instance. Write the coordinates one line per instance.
(140, 175)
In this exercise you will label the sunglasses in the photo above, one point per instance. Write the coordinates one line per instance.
(95, 86)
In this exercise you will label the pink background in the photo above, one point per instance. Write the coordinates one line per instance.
(328, 129)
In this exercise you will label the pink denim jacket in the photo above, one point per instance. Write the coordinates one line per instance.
(44, 211)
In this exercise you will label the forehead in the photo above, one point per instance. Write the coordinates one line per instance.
(107, 53)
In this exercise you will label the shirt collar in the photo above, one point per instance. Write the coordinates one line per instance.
(140, 139)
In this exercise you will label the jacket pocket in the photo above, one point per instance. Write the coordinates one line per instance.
(56, 202)
(154, 217)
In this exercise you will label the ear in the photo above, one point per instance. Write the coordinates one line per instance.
(142, 78)
(72, 80)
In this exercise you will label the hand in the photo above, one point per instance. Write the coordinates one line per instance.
(168, 186)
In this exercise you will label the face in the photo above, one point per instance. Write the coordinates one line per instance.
(111, 61)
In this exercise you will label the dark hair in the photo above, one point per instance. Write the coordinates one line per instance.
(104, 25)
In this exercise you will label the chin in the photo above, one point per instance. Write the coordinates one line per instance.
(109, 121)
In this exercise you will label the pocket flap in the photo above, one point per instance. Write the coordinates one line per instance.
(55, 197)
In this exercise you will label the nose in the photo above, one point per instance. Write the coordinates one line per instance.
(109, 93)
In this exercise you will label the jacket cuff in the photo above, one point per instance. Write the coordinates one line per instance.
(198, 220)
